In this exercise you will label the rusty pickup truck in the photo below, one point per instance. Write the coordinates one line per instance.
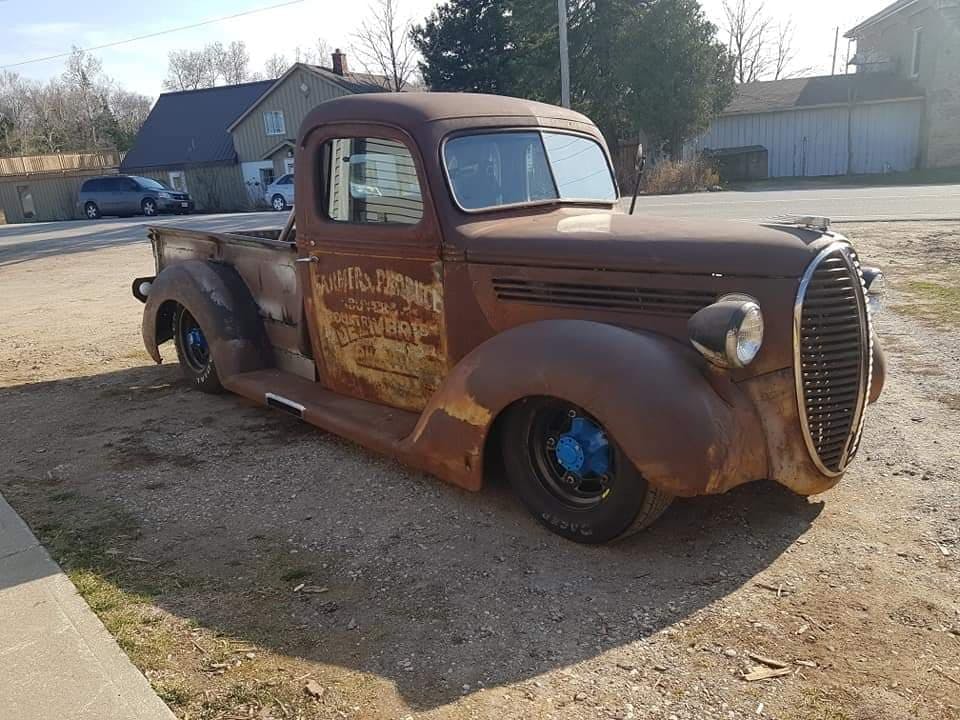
(458, 289)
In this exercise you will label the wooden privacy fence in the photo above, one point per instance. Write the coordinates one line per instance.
(63, 162)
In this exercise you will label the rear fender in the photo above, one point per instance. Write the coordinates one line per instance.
(221, 303)
(685, 426)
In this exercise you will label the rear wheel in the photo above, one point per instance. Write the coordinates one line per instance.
(278, 202)
(91, 211)
(193, 352)
(572, 476)
(149, 207)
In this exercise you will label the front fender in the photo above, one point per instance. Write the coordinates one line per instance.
(685, 426)
(221, 303)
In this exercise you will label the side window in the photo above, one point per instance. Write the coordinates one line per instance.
(370, 180)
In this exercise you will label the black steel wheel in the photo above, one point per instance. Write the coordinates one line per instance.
(572, 476)
(193, 352)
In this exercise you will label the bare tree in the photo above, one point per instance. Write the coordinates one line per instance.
(383, 45)
(83, 79)
(81, 110)
(190, 70)
(276, 66)
(129, 110)
(748, 30)
(232, 63)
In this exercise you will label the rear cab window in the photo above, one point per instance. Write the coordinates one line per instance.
(370, 180)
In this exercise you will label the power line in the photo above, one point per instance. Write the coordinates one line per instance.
(152, 35)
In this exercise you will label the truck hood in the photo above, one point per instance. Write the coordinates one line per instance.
(642, 243)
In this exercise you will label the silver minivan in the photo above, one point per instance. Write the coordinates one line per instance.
(130, 195)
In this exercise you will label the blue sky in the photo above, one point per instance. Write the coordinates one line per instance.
(45, 27)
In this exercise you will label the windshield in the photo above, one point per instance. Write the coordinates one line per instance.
(151, 184)
(509, 168)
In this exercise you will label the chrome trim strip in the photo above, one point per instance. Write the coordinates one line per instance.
(866, 343)
(280, 400)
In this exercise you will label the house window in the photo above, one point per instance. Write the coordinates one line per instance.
(273, 122)
(371, 180)
(917, 49)
(26, 201)
(288, 165)
(178, 181)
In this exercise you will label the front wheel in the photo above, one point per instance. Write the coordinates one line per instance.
(193, 352)
(279, 203)
(149, 207)
(572, 476)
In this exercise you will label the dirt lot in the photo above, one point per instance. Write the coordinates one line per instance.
(189, 522)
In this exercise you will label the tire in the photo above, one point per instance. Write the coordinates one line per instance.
(194, 353)
(91, 211)
(603, 498)
(149, 207)
(278, 202)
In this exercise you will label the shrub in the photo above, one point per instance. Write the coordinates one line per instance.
(680, 176)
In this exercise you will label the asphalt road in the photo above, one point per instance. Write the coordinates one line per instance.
(21, 243)
(24, 242)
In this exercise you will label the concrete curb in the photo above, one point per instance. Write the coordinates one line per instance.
(58, 659)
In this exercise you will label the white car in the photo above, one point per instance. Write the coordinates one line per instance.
(279, 194)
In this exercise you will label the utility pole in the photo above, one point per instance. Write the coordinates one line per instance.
(564, 55)
(836, 39)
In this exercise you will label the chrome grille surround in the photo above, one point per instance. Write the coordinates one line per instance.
(833, 356)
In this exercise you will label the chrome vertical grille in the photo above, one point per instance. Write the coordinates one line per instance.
(833, 356)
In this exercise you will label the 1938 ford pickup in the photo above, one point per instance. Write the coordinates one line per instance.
(456, 288)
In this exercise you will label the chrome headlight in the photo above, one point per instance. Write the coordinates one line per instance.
(164, 195)
(728, 333)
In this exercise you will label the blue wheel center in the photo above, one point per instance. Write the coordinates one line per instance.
(583, 450)
(196, 340)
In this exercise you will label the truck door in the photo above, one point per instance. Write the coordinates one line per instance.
(370, 244)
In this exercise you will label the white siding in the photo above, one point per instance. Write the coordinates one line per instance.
(808, 142)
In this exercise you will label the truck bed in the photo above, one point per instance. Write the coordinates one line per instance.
(266, 260)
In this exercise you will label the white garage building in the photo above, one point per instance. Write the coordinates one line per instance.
(833, 125)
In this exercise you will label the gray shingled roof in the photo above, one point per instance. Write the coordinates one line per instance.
(190, 127)
(795, 93)
(354, 81)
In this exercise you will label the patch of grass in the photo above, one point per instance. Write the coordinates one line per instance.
(935, 301)
(173, 693)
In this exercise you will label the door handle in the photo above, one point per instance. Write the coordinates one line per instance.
(308, 259)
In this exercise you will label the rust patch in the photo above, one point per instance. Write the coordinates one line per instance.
(467, 409)
(380, 323)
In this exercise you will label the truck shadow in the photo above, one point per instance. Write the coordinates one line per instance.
(438, 591)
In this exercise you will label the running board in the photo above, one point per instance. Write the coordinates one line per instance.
(282, 403)
(375, 426)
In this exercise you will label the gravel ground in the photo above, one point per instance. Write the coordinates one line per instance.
(190, 522)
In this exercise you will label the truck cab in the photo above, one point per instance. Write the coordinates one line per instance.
(458, 288)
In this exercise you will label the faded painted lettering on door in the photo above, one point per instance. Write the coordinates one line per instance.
(381, 328)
